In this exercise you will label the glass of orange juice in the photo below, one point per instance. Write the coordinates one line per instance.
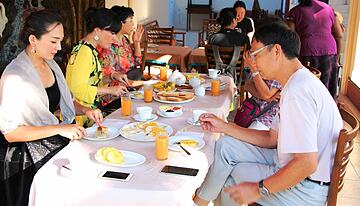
(215, 87)
(161, 147)
(148, 93)
(163, 73)
(125, 104)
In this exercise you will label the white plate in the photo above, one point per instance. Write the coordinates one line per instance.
(191, 121)
(171, 102)
(91, 134)
(131, 159)
(152, 118)
(169, 114)
(176, 147)
(141, 135)
(140, 94)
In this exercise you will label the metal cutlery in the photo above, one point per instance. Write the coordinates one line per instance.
(187, 152)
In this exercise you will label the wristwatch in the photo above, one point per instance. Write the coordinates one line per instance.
(264, 192)
(255, 73)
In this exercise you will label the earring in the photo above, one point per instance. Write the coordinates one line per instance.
(96, 37)
(33, 50)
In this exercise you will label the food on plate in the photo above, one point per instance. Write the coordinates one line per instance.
(102, 131)
(189, 142)
(137, 94)
(111, 155)
(146, 128)
(196, 75)
(174, 109)
(175, 96)
(184, 86)
(164, 86)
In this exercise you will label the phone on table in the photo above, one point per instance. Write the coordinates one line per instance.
(121, 176)
(180, 170)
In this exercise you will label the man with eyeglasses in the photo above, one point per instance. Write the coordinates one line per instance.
(290, 164)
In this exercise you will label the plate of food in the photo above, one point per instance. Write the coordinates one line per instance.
(137, 94)
(118, 158)
(194, 75)
(101, 133)
(164, 86)
(174, 97)
(195, 143)
(145, 131)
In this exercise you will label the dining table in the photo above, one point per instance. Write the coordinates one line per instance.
(173, 55)
(71, 176)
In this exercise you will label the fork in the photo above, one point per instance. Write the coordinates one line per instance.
(187, 152)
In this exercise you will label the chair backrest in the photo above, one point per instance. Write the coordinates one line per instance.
(226, 54)
(313, 70)
(160, 36)
(344, 147)
(209, 27)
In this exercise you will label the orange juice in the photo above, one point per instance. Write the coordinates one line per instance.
(161, 147)
(163, 73)
(215, 87)
(148, 93)
(125, 105)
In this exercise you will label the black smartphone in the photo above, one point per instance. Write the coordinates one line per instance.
(180, 170)
(122, 176)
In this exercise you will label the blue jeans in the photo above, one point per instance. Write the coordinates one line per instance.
(236, 161)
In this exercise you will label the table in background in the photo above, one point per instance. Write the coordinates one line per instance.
(178, 55)
(197, 60)
(54, 185)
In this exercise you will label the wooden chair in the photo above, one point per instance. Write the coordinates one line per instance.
(344, 147)
(209, 27)
(313, 70)
(158, 35)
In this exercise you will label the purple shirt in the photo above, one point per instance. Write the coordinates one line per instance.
(313, 24)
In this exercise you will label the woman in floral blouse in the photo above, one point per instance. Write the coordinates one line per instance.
(123, 57)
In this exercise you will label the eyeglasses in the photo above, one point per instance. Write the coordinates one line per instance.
(255, 53)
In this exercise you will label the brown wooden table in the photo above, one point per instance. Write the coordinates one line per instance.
(197, 60)
(176, 55)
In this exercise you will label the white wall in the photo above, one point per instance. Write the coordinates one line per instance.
(146, 10)
(110, 3)
(270, 5)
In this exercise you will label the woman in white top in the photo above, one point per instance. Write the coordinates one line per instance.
(32, 87)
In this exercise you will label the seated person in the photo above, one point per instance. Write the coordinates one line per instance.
(123, 57)
(228, 36)
(290, 164)
(245, 24)
(32, 87)
(84, 73)
(262, 92)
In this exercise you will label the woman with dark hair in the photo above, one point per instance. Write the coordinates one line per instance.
(123, 57)
(320, 34)
(32, 87)
(83, 72)
(244, 24)
(228, 36)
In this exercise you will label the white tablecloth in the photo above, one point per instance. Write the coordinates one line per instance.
(54, 185)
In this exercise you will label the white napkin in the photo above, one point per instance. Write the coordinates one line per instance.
(191, 134)
(117, 123)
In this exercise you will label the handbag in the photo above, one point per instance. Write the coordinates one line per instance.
(249, 111)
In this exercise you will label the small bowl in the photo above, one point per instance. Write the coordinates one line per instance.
(170, 110)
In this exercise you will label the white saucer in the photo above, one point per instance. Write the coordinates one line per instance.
(137, 118)
(191, 121)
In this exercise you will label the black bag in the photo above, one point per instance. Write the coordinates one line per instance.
(19, 163)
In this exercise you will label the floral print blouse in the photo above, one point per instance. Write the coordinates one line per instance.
(120, 57)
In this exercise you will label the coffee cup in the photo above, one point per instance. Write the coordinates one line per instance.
(194, 82)
(213, 73)
(144, 112)
(197, 113)
(200, 90)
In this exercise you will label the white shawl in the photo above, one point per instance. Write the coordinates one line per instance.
(23, 99)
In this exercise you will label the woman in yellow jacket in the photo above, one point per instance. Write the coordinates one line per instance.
(83, 72)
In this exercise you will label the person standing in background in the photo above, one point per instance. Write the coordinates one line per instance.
(320, 34)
